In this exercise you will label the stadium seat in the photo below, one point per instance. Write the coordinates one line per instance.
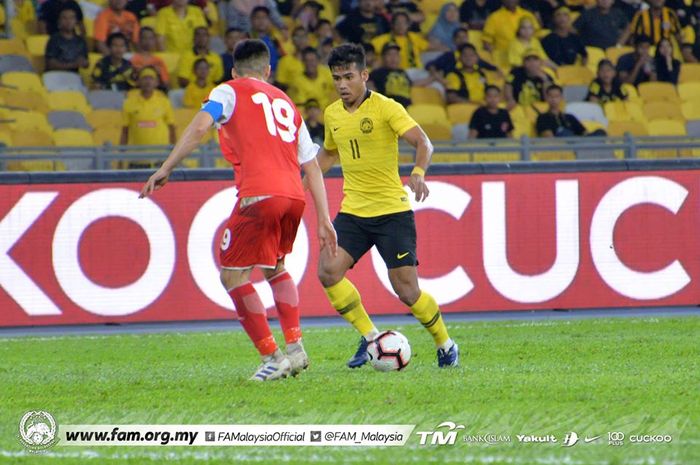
(15, 63)
(522, 124)
(36, 44)
(105, 118)
(72, 138)
(106, 99)
(426, 95)
(624, 111)
(62, 80)
(460, 133)
(690, 72)
(71, 100)
(592, 126)
(587, 111)
(90, 25)
(691, 109)
(103, 135)
(689, 91)
(571, 75)
(183, 117)
(176, 97)
(12, 47)
(663, 110)
(575, 93)
(29, 121)
(693, 129)
(558, 155)
(24, 100)
(461, 113)
(5, 139)
(632, 93)
(595, 54)
(438, 131)
(34, 138)
(495, 157)
(613, 53)
(23, 80)
(68, 120)
(620, 128)
(655, 91)
(424, 114)
(663, 127)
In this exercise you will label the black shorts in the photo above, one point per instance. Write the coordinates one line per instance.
(393, 234)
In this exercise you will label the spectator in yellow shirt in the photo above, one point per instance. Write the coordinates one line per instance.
(315, 83)
(291, 65)
(200, 50)
(175, 25)
(412, 44)
(525, 40)
(467, 83)
(147, 116)
(197, 91)
(500, 28)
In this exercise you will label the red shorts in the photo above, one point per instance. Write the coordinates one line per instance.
(261, 233)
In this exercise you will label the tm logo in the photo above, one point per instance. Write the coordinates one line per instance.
(441, 438)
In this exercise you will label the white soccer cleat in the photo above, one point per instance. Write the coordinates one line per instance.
(298, 358)
(273, 368)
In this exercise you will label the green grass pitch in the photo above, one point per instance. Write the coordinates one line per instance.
(592, 376)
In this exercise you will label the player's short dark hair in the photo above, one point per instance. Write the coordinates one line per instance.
(260, 8)
(114, 36)
(251, 56)
(466, 46)
(491, 87)
(310, 50)
(345, 55)
(553, 87)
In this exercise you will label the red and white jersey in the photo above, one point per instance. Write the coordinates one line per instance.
(263, 135)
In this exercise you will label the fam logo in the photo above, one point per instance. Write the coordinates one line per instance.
(443, 437)
(37, 431)
(366, 125)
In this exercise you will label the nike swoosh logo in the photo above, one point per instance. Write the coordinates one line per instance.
(591, 439)
(401, 255)
(335, 129)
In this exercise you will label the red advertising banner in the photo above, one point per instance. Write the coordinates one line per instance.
(90, 253)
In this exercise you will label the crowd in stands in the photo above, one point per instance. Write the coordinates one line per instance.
(494, 68)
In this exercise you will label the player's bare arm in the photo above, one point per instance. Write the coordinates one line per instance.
(424, 152)
(325, 160)
(192, 136)
(326, 233)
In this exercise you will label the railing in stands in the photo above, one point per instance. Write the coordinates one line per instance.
(480, 150)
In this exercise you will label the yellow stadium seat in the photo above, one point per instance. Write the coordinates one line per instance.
(5, 139)
(553, 156)
(619, 128)
(664, 127)
(438, 131)
(689, 90)
(23, 80)
(33, 138)
(664, 110)
(595, 54)
(36, 44)
(574, 75)
(613, 53)
(12, 47)
(105, 134)
(171, 61)
(691, 109)
(89, 27)
(86, 73)
(523, 126)
(592, 126)
(24, 100)
(424, 114)
(690, 72)
(461, 113)
(426, 95)
(653, 91)
(105, 118)
(29, 121)
(494, 157)
(632, 93)
(72, 138)
(69, 100)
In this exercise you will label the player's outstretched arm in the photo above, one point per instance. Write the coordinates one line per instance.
(424, 152)
(314, 179)
(326, 159)
(193, 134)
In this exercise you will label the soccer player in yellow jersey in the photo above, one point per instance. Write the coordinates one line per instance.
(362, 129)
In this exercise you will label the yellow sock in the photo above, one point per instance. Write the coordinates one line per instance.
(346, 301)
(426, 311)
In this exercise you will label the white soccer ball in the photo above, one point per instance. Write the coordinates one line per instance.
(389, 351)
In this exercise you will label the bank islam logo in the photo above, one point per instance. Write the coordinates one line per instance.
(445, 433)
(38, 431)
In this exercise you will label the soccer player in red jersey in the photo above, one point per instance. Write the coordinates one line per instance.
(264, 137)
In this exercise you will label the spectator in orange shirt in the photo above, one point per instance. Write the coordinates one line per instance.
(115, 19)
(148, 45)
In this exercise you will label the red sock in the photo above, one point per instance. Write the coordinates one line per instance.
(287, 302)
(251, 314)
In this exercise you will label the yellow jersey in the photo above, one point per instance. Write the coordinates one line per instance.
(148, 118)
(367, 141)
(186, 66)
(179, 32)
(195, 96)
(302, 88)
